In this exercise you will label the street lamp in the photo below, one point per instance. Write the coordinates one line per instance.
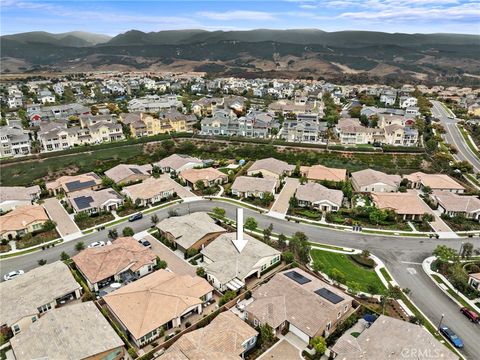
(441, 319)
(461, 249)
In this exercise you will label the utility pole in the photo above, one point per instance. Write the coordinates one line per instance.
(441, 319)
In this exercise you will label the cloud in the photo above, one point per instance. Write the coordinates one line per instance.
(237, 15)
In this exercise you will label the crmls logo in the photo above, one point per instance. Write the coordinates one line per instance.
(413, 353)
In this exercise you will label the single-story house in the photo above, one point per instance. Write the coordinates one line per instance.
(453, 204)
(192, 231)
(474, 281)
(323, 173)
(319, 197)
(128, 173)
(229, 269)
(125, 259)
(369, 180)
(226, 337)
(246, 186)
(92, 202)
(178, 163)
(301, 302)
(166, 300)
(440, 182)
(390, 338)
(208, 176)
(12, 197)
(270, 167)
(21, 221)
(69, 183)
(408, 205)
(79, 331)
(150, 191)
(27, 297)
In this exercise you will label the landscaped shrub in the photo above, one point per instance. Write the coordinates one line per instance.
(362, 260)
(229, 295)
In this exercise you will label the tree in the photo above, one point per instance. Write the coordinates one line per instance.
(48, 225)
(318, 266)
(426, 217)
(251, 224)
(393, 292)
(427, 190)
(353, 286)
(200, 185)
(42, 262)
(288, 257)
(107, 182)
(128, 231)
(354, 112)
(293, 202)
(365, 253)
(445, 253)
(267, 233)
(160, 264)
(219, 211)
(377, 215)
(154, 219)
(80, 246)
(319, 344)
(467, 250)
(64, 256)
(200, 271)
(282, 241)
(113, 234)
(266, 333)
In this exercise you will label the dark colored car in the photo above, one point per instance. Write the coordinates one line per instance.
(136, 216)
(145, 243)
(451, 336)
(471, 315)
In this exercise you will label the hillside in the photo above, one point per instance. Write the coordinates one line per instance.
(345, 55)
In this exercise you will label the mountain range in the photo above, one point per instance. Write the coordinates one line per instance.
(355, 55)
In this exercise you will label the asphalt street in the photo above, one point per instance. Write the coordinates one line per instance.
(400, 255)
(454, 137)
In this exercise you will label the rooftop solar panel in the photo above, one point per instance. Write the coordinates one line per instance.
(135, 171)
(329, 295)
(83, 202)
(297, 277)
(77, 184)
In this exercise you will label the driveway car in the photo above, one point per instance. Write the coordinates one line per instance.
(136, 216)
(451, 336)
(13, 274)
(471, 315)
(97, 244)
(145, 243)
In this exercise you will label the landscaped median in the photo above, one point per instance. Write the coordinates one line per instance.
(468, 140)
(39, 247)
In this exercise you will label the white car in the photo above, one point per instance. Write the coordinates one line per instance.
(97, 244)
(13, 274)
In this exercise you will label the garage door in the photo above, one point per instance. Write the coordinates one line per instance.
(299, 333)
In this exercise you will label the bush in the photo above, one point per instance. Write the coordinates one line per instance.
(190, 253)
(363, 261)
(229, 295)
(128, 231)
(133, 354)
(288, 257)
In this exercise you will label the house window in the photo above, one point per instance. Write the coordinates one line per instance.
(34, 318)
(329, 325)
(252, 341)
(339, 315)
(264, 266)
(255, 322)
(16, 328)
(345, 309)
(44, 308)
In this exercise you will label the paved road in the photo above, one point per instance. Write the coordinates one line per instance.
(394, 251)
(454, 136)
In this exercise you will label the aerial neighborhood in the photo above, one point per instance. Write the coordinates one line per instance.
(184, 217)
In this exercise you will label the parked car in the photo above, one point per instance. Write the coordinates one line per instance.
(97, 244)
(471, 315)
(145, 243)
(13, 274)
(136, 216)
(451, 336)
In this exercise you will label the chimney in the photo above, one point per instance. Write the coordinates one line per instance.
(240, 224)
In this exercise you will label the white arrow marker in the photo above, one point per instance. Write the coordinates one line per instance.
(240, 243)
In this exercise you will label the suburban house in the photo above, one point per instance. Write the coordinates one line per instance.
(323, 173)
(442, 182)
(28, 297)
(246, 186)
(228, 266)
(390, 338)
(150, 191)
(299, 301)
(270, 167)
(407, 205)
(192, 231)
(125, 259)
(474, 281)
(93, 202)
(369, 180)
(314, 195)
(79, 331)
(138, 123)
(453, 204)
(208, 176)
(178, 163)
(306, 128)
(129, 173)
(167, 300)
(226, 337)
(12, 197)
(21, 221)
(67, 184)
(14, 140)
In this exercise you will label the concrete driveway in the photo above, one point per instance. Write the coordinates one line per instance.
(65, 225)
(281, 204)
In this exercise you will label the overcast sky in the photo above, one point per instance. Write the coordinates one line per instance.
(114, 17)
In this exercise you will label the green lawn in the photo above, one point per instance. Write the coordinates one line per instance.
(468, 141)
(365, 278)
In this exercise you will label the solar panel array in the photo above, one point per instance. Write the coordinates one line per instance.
(297, 277)
(329, 295)
(77, 184)
(83, 202)
(135, 171)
